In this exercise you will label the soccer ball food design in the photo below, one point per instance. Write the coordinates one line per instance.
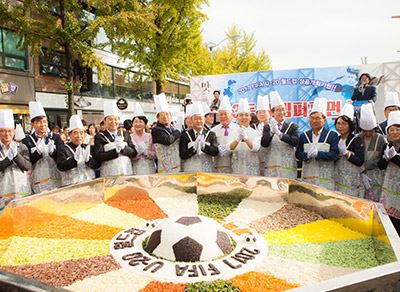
(193, 231)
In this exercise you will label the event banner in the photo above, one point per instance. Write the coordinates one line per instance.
(298, 88)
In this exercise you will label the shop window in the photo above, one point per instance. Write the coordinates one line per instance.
(53, 63)
(11, 56)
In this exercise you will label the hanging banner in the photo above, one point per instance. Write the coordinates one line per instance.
(298, 88)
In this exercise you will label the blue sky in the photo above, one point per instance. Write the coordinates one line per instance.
(311, 33)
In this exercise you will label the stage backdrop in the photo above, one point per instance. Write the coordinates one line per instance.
(299, 87)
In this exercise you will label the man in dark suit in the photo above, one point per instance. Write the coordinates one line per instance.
(165, 138)
(42, 146)
(318, 148)
(198, 145)
(280, 137)
(113, 149)
(364, 91)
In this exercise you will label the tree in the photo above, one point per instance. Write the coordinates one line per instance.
(163, 53)
(67, 25)
(237, 56)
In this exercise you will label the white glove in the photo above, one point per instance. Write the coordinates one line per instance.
(40, 146)
(119, 146)
(51, 146)
(342, 147)
(78, 155)
(312, 153)
(245, 135)
(119, 139)
(140, 148)
(366, 181)
(202, 143)
(389, 153)
(86, 153)
(275, 129)
(10, 154)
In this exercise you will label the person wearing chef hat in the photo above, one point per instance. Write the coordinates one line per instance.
(245, 144)
(262, 115)
(14, 162)
(198, 146)
(390, 161)
(113, 149)
(224, 133)
(165, 138)
(351, 155)
(279, 140)
(392, 103)
(209, 116)
(42, 146)
(318, 148)
(74, 159)
(374, 144)
(144, 162)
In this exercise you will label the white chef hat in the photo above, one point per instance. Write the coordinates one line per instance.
(206, 108)
(188, 110)
(75, 122)
(137, 110)
(391, 99)
(110, 108)
(161, 103)
(36, 109)
(348, 111)
(19, 133)
(276, 99)
(6, 119)
(197, 109)
(367, 117)
(243, 106)
(225, 104)
(393, 119)
(320, 105)
(262, 103)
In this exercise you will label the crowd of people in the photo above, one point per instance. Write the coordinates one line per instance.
(359, 157)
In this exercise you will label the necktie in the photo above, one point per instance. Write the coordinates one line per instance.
(226, 133)
(280, 126)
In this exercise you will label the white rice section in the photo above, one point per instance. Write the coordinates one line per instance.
(106, 215)
(302, 273)
(121, 280)
(174, 202)
(250, 210)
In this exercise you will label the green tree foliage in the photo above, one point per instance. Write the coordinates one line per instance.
(66, 25)
(239, 55)
(163, 53)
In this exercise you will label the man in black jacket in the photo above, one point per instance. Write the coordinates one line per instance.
(42, 146)
(113, 149)
(198, 145)
(165, 138)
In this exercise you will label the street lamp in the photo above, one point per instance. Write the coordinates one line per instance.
(212, 45)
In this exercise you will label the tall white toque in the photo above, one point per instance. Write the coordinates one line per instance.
(262, 103)
(367, 117)
(276, 99)
(36, 109)
(320, 105)
(110, 108)
(243, 106)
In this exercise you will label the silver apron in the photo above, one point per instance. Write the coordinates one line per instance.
(279, 158)
(121, 165)
(198, 162)
(245, 161)
(168, 157)
(376, 175)
(45, 175)
(143, 166)
(79, 174)
(319, 173)
(14, 181)
(391, 190)
(347, 176)
(223, 163)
